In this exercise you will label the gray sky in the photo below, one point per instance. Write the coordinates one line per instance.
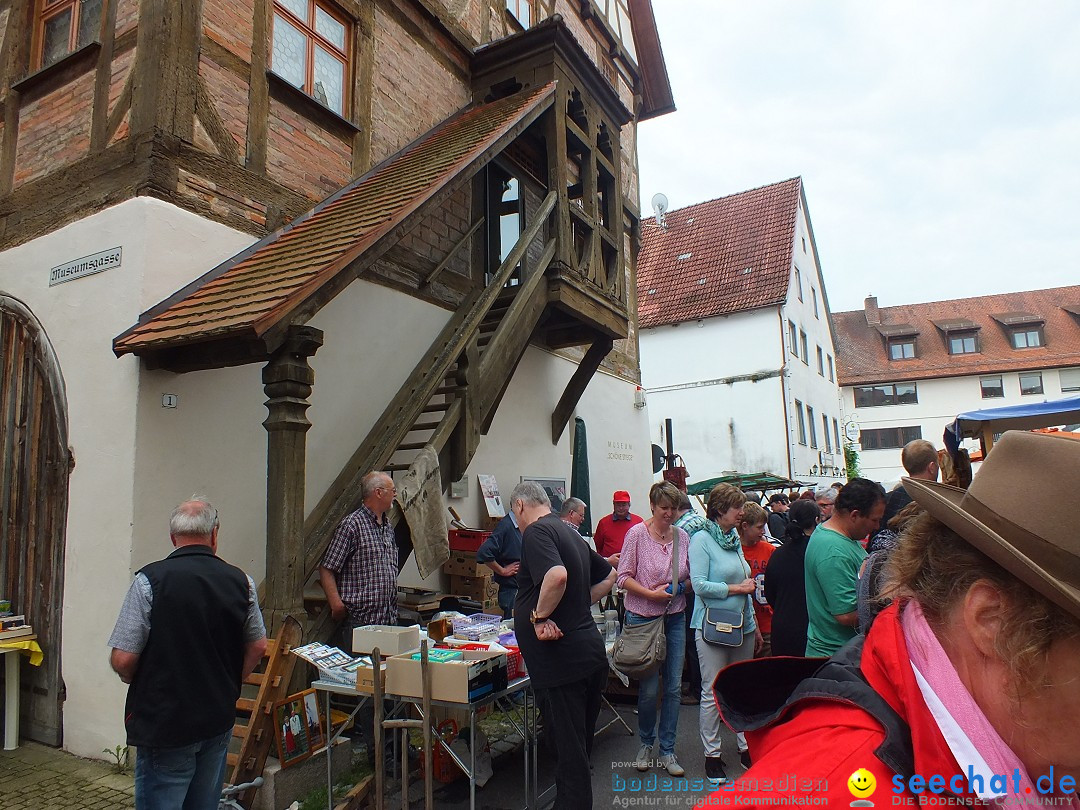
(938, 141)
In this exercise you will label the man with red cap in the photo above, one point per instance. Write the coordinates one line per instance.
(611, 529)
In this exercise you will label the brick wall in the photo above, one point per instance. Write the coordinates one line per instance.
(302, 156)
(127, 14)
(412, 90)
(437, 233)
(121, 69)
(229, 94)
(229, 23)
(54, 129)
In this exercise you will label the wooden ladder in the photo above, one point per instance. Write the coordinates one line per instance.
(272, 684)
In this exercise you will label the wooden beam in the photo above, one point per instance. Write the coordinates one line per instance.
(258, 89)
(207, 113)
(99, 132)
(287, 380)
(576, 386)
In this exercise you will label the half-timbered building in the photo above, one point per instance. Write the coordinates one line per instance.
(255, 248)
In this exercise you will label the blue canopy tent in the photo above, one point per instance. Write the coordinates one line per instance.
(986, 424)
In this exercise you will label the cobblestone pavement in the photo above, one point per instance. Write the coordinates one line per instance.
(36, 777)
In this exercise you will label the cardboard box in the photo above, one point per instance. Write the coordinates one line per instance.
(464, 564)
(390, 639)
(479, 588)
(480, 673)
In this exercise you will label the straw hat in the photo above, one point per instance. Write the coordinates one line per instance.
(1019, 511)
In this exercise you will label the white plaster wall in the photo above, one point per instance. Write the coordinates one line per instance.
(164, 247)
(373, 337)
(712, 348)
(519, 441)
(940, 400)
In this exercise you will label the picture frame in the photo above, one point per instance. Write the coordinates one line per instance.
(290, 730)
(315, 717)
(554, 487)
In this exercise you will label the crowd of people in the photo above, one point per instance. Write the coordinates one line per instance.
(930, 630)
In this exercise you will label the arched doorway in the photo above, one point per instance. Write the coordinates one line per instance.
(34, 468)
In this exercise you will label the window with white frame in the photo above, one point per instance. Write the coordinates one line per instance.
(793, 338)
(805, 347)
(820, 362)
(825, 432)
(1070, 379)
(800, 420)
(813, 427)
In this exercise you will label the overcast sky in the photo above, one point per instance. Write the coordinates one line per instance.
(939, 142)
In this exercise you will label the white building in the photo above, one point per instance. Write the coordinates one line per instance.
(736, 343)
(908, 370)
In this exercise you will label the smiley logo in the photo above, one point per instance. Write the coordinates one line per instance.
(862, 784)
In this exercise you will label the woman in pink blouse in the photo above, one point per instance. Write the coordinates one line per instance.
(645, 574)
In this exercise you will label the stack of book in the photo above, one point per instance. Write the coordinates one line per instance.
(13, 627)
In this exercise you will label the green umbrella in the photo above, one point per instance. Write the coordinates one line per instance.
(579, 473)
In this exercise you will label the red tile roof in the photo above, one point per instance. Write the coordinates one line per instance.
(861, 351)
(718, 257)
(267, 283)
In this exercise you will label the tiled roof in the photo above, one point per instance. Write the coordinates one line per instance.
(265, 284)
(861, 351)
(718, 257)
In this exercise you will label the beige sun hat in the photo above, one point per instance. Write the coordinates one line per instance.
(1019, 510)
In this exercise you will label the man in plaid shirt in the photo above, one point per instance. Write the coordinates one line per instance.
(359, 570)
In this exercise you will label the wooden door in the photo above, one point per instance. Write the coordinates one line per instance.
(34, 466)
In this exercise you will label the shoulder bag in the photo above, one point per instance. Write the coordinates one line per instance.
(641, 648)
(723, 627)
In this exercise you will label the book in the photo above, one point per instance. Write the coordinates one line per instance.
(16, 632)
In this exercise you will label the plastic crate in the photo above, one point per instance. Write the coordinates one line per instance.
(477, 626)
(467, 539)
(515, 665)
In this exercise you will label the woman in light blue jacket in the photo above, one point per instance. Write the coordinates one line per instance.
(721, 579)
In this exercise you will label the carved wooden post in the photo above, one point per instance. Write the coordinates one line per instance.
(287, 380)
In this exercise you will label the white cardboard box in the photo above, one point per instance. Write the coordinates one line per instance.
(390, 639)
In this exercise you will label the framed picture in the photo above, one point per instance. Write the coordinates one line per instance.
(554, 487)
(314, 716)
(291, 730)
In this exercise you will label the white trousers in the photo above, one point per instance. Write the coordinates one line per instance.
(714, 658)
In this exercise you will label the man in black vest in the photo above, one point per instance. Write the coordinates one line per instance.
(189, 632)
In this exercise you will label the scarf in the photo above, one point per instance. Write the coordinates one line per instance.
(966, 729)
(728, 541)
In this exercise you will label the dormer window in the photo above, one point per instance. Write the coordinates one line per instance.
(901, 348)
(964, 343)
(961, 335)
(1026, 337)
(899, 340)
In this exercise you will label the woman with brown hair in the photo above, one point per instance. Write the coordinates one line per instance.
(645, 573)
(966, 687)
(721, 580)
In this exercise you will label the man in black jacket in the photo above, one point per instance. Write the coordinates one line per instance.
(189, 632)
(778, 519)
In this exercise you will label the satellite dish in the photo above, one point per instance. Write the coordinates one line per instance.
(660, 206)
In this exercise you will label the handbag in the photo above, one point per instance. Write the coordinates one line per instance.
(641, 648)
(723, 627)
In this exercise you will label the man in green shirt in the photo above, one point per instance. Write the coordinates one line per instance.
(833, 558)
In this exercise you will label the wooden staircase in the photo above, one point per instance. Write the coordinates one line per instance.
(450, 397)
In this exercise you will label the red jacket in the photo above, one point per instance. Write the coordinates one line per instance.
(811, 744)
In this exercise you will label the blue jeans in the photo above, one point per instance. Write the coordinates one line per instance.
(507, 595)
(671, 669)
(186, 778)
